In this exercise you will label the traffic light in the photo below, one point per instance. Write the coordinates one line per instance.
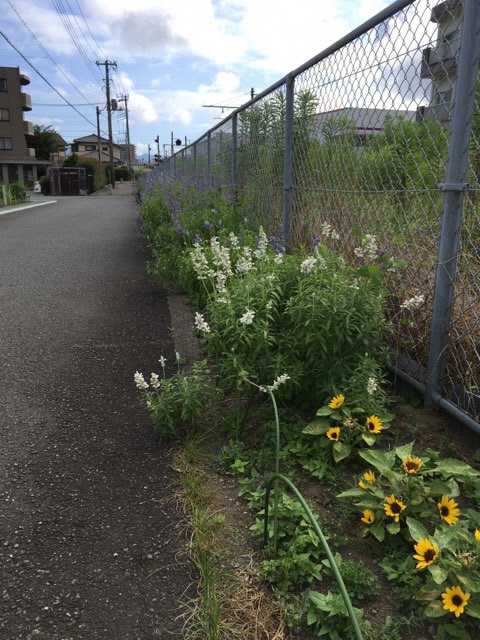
(157, 158)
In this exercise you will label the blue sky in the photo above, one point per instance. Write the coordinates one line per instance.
(173, 57)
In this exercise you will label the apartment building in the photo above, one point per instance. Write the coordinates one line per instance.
(17, 160)
(439, 63)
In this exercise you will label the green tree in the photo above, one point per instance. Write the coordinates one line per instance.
(45, 140)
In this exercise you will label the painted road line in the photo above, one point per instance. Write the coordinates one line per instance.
(26, 206)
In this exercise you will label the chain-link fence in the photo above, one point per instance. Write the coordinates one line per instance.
(374, 146)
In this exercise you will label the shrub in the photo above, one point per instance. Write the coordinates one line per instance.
(44, 185)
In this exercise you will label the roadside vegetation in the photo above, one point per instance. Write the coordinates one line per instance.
(292, 396)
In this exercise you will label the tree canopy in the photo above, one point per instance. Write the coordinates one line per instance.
(45, 141)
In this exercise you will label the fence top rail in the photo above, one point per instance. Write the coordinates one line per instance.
(369, 24)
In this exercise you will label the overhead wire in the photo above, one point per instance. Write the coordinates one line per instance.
(45, 50)
(30, 64)
(70, 29)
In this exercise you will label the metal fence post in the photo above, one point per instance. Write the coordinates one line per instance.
(454, 192)
(195, 161)
(287, 161)
(209, 156)
(234, 150)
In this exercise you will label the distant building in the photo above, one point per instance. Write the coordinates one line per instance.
(124, 153)
(88, 147)
(59, 154)
(359, 122)
(439, 63)
(17, 160)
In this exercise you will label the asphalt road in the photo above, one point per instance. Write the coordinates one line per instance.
(88, 517)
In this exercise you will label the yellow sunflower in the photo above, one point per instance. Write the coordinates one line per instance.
(411, 465)
(374, 424)
(336, 402)
(333, 434)
(368, 516)
(427, 553)
(393, 507)
(455, 600)
(369, 476)
(477, 535)
(449, 510)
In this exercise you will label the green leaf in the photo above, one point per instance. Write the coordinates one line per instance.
(317, 427)
(335, 415)
(369, 438)
(440, 488)
(341, 451)
(352, 493)
(378, 459)
(428, 592)
(473, 609)
(393, 528)
(457, 468)
(416, 529)
(404, 451)
(438, 574)
(311, 617)
(470, 585)
(378, 531)
(435, 609)
(324, 411)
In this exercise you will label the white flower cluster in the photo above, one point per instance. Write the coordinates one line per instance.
(261, 251)
(245, 262)
(276, 383)
(413, 303)
(162, 361)
(155, 381)
(201, 324)
(327, 231)
(368, 247)
(221, 256)
(308, 264)
(232, 238)
(247, 317)
(312, 261)
(372, 386)
(199, 262)
(140, 381)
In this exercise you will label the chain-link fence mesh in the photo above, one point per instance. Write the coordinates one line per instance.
(366, 137)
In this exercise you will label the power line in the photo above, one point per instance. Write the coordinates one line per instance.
(70, 29)
(45, 80)
(22, 20)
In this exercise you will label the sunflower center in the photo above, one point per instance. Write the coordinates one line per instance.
(411, 466)
(445, 511)
(457, 600)
(396, 508)
(371, 426)
(429, 555)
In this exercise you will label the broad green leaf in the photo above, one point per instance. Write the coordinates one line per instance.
(393, 528)
(341, 452)
(442, 488)
(473, 609)
(438, 574)
(457, 468)
(369, 438)
(324, 411)
(335, 415)
(352, 493)
(435, 609)
(378, 459)
(378, 531)
(316, 427)
(311, 617)
(404, 451)
(416, 529)
(470, 585)
(428, 592)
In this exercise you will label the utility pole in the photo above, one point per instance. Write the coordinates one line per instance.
(129, 164)
(108, 64)
(98, 135)
(149, 149)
